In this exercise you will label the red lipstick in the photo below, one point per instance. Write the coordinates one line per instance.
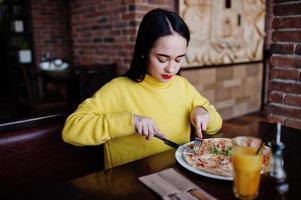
(165, 76)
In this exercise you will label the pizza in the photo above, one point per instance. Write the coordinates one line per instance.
(215, 156)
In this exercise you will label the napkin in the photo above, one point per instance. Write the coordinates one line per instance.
(171, 185)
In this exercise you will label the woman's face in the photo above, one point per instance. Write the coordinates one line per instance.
(166, 57)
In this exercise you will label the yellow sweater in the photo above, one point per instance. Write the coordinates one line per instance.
(107, 117)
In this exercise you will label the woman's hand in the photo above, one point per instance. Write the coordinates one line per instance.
(199, 118)
(146, 127)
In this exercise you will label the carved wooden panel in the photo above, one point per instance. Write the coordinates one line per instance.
(223, 31)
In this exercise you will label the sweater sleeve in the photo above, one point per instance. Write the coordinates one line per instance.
(198, 100)
(97, 120)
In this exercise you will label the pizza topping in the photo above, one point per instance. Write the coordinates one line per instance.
(221, 148)
(215, 156)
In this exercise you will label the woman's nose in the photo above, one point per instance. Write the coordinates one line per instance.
(169, 68)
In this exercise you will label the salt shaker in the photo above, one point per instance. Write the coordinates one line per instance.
(274, 180)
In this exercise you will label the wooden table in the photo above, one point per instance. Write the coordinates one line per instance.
(121, 182)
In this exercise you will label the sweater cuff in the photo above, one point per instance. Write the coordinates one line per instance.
(121, 124)
(215, 122)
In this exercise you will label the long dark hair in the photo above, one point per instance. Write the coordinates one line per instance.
(155, 24)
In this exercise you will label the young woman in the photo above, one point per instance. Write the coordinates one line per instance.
(149, 99)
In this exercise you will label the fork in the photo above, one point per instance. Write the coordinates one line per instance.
(197, 144)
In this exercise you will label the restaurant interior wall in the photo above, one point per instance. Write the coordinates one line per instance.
(51, 27)
(234, 90)
(284, 83)
(98, 31)
(51, 38)
(106, 33)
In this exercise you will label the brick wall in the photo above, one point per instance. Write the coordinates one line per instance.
(105, 31)
(284, 85)
(51, 29)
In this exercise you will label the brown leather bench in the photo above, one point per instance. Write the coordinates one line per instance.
(38, 155)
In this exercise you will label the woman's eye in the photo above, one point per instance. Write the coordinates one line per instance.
(162, 60)
(178, 60)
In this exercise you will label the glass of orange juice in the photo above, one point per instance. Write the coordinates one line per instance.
(247, 164)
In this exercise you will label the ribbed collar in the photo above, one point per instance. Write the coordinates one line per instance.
(149, 80)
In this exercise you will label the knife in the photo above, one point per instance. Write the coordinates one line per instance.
(167, 141)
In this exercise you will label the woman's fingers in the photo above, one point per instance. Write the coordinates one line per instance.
(198, 129)
(199, 124)
(200, 119)
(151, 132)
(146, 127)
(138, 128)
(204, 124)
(145, 130)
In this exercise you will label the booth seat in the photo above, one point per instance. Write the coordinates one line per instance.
(38, 155)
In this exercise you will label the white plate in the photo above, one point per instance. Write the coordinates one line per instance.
(180, 159)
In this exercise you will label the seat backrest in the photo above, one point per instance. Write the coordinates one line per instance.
(92, 77)
(39, 155)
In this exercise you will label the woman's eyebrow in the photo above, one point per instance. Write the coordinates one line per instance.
(164, 55)
(182, 55)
